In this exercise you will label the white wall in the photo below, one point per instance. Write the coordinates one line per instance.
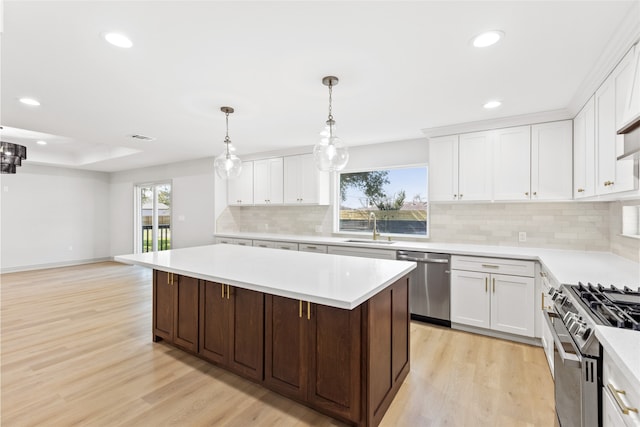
(53, 216)
(193, 193)
(388, 154)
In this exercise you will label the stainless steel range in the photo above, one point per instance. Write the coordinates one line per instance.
(577, 309)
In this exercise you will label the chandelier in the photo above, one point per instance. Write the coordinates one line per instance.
(11, 155)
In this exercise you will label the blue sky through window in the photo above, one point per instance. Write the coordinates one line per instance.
(412, 180)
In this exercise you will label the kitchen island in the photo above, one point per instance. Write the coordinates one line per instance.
(331, 332)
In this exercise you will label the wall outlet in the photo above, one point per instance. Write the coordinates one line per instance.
(181, 218)
(522, 236)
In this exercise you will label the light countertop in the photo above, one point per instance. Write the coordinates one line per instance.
(337, 281)
(623, 346)
(567, 266)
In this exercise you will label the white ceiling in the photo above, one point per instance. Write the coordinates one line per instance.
(403, 67)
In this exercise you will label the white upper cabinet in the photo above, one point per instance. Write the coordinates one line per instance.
(511, 163)
(551, 159)
(613, 175)
(517, 163)
(303, 182)
(443, 168)
(240, 189)
(268, 181)
(628, 87)
(584, 152)
(475, 162)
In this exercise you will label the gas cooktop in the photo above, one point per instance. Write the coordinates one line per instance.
(610, 306)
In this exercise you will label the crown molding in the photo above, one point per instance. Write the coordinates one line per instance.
(499, 123)
(623, 39)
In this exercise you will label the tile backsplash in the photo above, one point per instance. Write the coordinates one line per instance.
(591, 226)
(581, 226)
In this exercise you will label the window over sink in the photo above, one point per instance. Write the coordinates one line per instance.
(397, 198)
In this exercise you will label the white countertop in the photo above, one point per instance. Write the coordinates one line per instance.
(337, 281)
(623, 346)
(568, 267)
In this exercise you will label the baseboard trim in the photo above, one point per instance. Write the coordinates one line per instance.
(53, 265)
(496, 334)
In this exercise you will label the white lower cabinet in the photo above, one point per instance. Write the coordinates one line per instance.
(494, 301)
(275, 245)
(234, 241)
(361, 252)
(307, 247)
(620, 397)
(546, 337)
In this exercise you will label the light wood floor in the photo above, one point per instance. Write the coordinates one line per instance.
(76, 350)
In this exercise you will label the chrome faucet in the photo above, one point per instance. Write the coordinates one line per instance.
(375, 225)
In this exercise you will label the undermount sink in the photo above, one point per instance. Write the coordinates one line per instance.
(376, 242)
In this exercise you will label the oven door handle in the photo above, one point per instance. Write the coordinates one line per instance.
(568, 359)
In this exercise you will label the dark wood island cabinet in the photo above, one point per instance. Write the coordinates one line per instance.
(175, 309)
(232, 328)
(348, 364)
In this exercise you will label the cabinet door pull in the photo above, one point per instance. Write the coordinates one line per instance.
(616, 396)
(542, 301)
(455, 196)
(486, 284)
(494, 285)
(228, 291)
(308, 310)
(526, 193)
(580, 190)
(535, 193)
(300, 309)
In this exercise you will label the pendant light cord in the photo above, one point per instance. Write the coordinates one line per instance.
(330, 121)
(227, 141)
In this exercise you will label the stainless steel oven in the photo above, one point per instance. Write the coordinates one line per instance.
(577, 378)
(572, 319)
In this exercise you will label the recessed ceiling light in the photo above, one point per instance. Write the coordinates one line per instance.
(119, 40)
(492, 104)
(488, 38)
(41, 142)
(30, 101)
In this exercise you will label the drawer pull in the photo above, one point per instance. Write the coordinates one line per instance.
(616, 396)
(311, 247)
(490, 266)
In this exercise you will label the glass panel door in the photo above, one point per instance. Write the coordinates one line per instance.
(153, 217)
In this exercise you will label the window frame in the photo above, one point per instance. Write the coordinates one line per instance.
(335, 196)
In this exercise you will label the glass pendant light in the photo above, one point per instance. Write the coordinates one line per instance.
(330, 153)
(227, 164)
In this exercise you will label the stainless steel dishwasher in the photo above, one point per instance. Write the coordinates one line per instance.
(429, 287)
